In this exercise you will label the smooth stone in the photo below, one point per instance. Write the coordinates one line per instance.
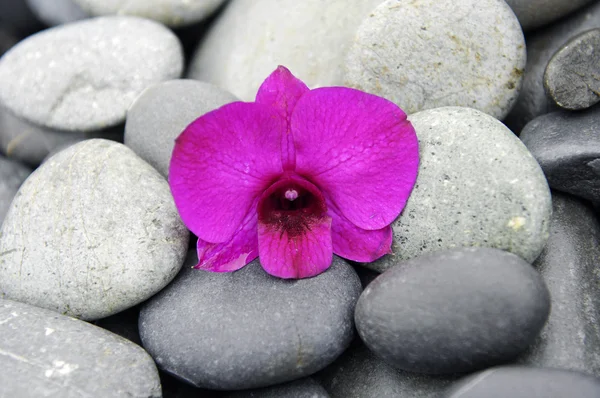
(173, 13)
(572, 77)
(303, 388)
(535, 13)
(569, 266)
(83, 76)
(92, 232)
(163, 111)
(12, 175)
(56, 12)
(44, 354)
(250, 38)
(453, 311)
(525, 382)
(567, 147)
(427, 54)
(359, 373)
(478, 185)
(541, 46)
(247, 329)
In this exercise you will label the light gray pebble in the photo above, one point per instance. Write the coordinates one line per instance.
(163, 111)
(92, 231)
(303, 388)
(535, 13)
(84, 75)
(12, 175)
(56, 12)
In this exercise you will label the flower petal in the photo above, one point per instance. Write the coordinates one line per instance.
(359, 149)
(221, 163)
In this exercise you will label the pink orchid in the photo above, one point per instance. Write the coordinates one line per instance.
(294, 177)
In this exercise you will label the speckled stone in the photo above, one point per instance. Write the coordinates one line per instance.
(303, 388)
(572, 77)
(478, 185)
(567, 147)
(84, 76)
(247, 329)
(250, 38)
(12, 175)
(569, 265)
(92, 231)
(162, 112)
(44, 354)
(535, 13)
(446, 53)
(169, 12)
(56, 12)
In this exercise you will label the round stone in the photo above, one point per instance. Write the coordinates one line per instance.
(248, 329)
(169, 12)
(84, 76)
(478, 185)
(535, 13)
(12, 175)
(426, 54)
(56, 12)
(163, 111)
(572, 77)
(92, 231)
(453, 311)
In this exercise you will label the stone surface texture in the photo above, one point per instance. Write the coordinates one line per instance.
(535, 13)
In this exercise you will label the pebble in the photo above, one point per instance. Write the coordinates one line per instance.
(56, 12)
(303, 388)
(247, 329)
(12, 175)
(478, 185)
(524, 382)
(163, 111)
(567, 147)
(535, 13)
(427, 54)
(453, 311)
(569, 266)
(173, 13)
(45, 354)
(92, 231)
(83, 76)
(541, 46)
(572, 77)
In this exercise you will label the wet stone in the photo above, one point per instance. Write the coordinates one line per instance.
(535, 13)
(12, 175)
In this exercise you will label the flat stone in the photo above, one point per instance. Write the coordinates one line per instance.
(525, 382)
(478, 185)
(427, 54)
(541, 46)
(569, 266)
(12, 175)
(44, 354)
(567, 147)
(163, 111)
(247, 329)
(84, 75)
(572, 77)
(453, 311)
(535, 13)
(92, 231)
(173, 13)
(303, 388)
(56, 12)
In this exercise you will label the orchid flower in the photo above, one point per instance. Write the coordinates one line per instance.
(294, 177)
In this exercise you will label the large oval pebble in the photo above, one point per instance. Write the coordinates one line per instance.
(84, 76)
(92, 231)
(453, 311)
(44, 354)
(248, 329)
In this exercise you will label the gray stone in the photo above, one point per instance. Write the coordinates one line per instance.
(248, 329)
(567, 147)
(359, 373)
(524, 382)
(478, 185)
(541, 46)
(303, 388)
(250, 38)
(12, 175)
(84, 75)
(572, 77)
(569, 265)
(92, 231)
(56, 12)
(426, 54)
(162, 112)
(535, 13)
(453, 311)
(169, 12)
(44, 354)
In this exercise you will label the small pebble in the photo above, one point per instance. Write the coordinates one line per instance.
(12, 175)
(535, 13)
